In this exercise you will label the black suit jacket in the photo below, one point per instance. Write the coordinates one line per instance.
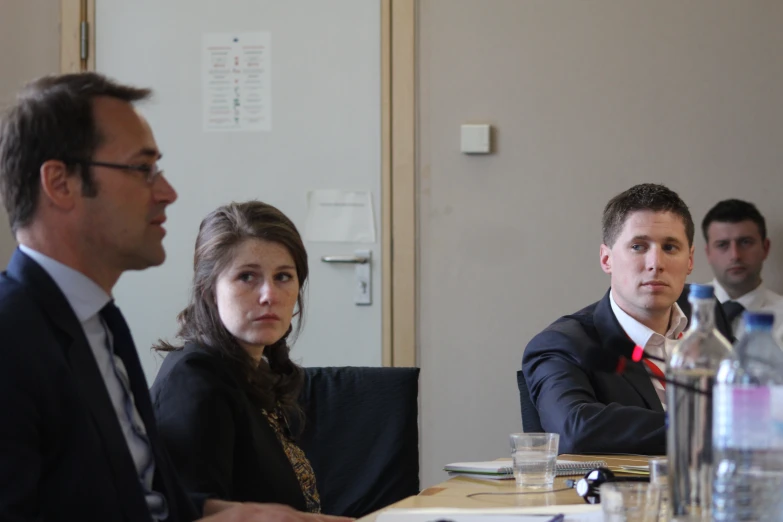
(62, 453)
(596, 412)
(222, 445)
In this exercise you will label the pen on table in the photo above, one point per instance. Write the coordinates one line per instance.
(557, 518)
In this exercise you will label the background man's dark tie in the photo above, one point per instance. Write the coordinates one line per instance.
(732, 309)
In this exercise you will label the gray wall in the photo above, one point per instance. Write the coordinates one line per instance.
(588, 98)
(30, 43)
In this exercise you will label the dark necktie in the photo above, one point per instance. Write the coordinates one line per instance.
(732, 309)
(123, 342)
(123, 347)
(135, 386)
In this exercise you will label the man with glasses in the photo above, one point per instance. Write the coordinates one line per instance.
(86, 202)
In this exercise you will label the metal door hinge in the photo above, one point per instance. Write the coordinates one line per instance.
(83, 40)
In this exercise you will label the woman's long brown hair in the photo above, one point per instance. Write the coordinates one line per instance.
(276, 380)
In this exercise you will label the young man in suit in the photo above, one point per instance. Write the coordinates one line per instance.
(737, 245)
(647, 251)
(86, 201)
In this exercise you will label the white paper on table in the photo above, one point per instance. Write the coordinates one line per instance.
(340, 216)
(236, 81)
(573, 513)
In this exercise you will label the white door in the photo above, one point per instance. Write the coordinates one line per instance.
(325, 66)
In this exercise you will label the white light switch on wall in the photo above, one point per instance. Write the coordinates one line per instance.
(475, 138)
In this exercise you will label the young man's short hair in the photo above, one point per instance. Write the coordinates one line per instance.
(647, 196)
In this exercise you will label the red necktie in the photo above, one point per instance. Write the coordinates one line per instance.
(657, 373)
(638, 355)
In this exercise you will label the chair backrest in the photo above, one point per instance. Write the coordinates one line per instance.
(361, 435)
(531, 422)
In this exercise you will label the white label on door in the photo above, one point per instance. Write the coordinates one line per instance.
(340, 216)
(236, 81)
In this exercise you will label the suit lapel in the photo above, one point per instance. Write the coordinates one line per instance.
(86, 378)
(614, 338)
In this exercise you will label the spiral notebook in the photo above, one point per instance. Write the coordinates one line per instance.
(501, 469)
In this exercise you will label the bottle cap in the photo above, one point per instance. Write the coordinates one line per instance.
(701, 291)
(758, 320)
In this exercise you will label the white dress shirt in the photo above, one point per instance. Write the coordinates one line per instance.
(87, 299)
(761, 299)
(653, 342)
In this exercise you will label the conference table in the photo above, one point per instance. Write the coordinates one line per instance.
(486, 494)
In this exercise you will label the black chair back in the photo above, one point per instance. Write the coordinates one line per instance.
(531, 422)
(361, 435)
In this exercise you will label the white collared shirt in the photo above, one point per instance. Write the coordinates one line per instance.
(761, 299)
(653, 342)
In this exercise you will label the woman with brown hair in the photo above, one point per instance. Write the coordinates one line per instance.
(224, 398)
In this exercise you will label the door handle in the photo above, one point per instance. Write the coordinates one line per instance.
(362, 259)
(355, 260)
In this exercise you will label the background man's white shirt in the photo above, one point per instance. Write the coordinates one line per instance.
(760, 299)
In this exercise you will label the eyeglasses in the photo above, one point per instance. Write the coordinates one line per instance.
(151, 172)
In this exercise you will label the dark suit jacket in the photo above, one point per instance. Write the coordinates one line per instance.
(222, 445)
(62, 452)
(596, 412)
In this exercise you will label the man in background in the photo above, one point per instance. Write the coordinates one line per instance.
(737, 245)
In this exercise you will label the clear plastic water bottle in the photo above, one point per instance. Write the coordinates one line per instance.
(693, 364)
(748, 427)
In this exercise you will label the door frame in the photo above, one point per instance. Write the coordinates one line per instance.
(73, 14)
(398, 155)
